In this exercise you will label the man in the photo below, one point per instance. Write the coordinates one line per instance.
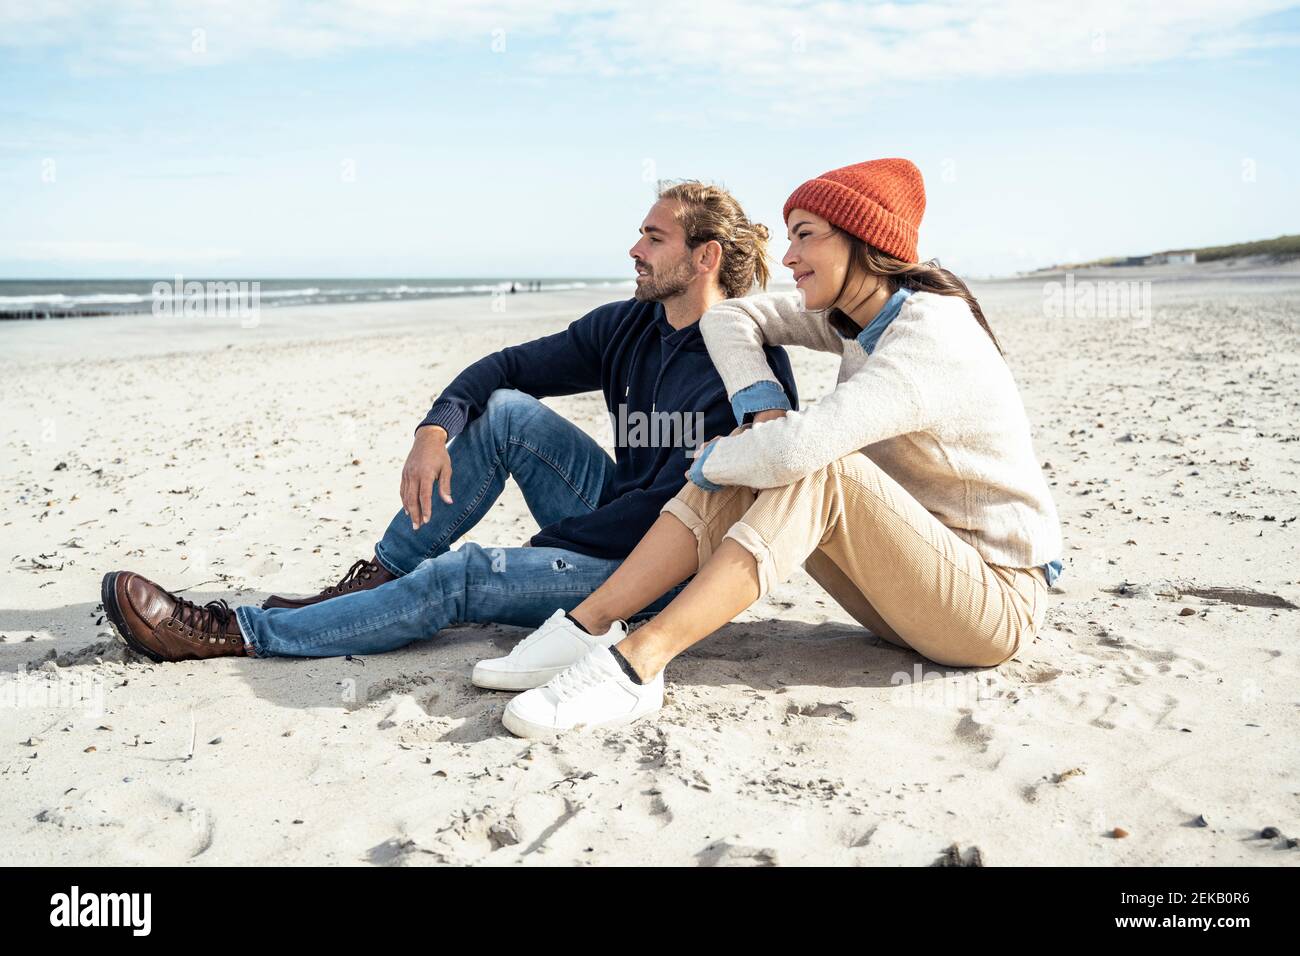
(647, 357)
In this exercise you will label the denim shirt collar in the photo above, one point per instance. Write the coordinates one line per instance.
(869, 336)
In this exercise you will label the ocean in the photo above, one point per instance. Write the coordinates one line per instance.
(67, 298)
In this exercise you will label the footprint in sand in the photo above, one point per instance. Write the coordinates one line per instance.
(404, 851)
(723, 853)
(1140, 712)
(973, 731)
(837, 711)
(132, 823)
(1112, 646)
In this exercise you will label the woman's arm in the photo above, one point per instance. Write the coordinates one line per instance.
(735, 332)
(904, 387)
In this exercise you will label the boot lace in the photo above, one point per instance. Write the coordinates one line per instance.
(203, 618)
(362, 569)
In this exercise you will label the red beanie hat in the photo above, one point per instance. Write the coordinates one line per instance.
(880, 202)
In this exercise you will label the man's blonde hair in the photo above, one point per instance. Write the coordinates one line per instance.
(709, 213)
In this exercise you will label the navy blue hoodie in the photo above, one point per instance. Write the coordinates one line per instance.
(632, 354)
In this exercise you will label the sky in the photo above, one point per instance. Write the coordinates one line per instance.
(510, 139)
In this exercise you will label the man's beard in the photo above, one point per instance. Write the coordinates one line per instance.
(673, 282)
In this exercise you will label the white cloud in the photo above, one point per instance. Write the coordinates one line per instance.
(160, 34)
(842, 46)
(798, 51)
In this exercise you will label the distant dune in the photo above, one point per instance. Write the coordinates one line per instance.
(1260, 252)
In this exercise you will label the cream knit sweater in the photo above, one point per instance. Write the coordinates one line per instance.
(934, 405)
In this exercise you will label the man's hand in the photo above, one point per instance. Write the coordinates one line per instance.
(427, 463)
(768, 415)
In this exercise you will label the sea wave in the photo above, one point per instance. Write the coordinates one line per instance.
(44, 297)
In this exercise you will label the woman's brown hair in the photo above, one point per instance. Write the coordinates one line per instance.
(865, 258)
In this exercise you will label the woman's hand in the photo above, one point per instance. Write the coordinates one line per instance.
(700, 451)
(427, 463)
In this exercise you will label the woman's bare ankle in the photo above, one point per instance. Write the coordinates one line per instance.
(645, 659)
(594, 622)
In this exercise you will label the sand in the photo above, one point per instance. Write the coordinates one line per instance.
(1160, 697)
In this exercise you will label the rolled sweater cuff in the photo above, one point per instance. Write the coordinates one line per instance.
(697, 470)
(446, 414)
(759, 397)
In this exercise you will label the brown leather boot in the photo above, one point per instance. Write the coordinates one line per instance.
(164, 627)
(362, 576)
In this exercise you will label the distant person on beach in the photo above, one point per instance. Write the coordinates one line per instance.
(911, 492)
(665, 397)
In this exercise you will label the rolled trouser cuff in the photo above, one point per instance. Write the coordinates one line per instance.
(252, 642)
(387, 562)
(695, 524)
(770, 574)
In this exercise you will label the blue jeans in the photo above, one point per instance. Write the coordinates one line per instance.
(561, 471)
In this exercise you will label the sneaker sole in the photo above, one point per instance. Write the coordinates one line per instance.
(108, 596)
(512, 680)
(526, 728)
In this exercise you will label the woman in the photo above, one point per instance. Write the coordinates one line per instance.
(911, 492)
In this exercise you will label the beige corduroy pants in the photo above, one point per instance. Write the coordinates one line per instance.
(884, 558)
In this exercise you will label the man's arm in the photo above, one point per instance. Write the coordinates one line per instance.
(561, 364)
(564, 363)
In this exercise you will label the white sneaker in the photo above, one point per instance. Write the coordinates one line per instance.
(595, 692)
(543, 654)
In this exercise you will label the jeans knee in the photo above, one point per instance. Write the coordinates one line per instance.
(440, 570)
(504, 401)
(478, 565)
(502, 413)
